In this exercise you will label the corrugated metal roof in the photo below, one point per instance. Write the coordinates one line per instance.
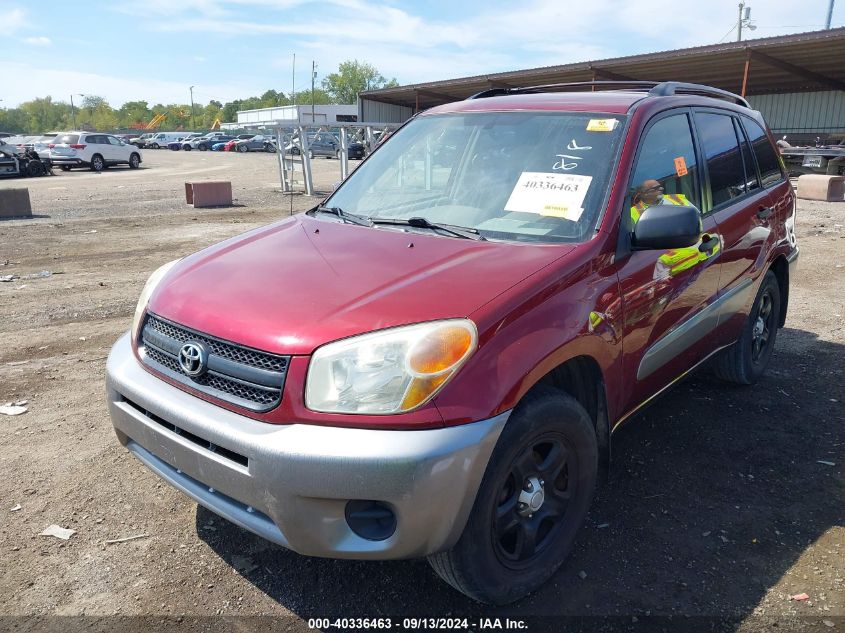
(787, 63)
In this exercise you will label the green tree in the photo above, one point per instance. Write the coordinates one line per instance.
(13, 120)
(354, 77)
(133, 113)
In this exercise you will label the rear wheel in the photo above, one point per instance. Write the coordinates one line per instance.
(97, 163)
(532, 501)
(242, 148)
(134, 161)
(268, 147)
(745, 361)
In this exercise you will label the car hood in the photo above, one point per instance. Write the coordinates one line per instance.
(290, 287)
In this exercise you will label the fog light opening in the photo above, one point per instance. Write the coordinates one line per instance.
(372, 520)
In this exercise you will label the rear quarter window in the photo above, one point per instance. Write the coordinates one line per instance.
(767, 159)
(69, 139)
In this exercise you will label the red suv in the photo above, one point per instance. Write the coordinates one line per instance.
(432, 362)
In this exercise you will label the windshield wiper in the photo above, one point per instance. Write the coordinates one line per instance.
(343, 215)
(423, 223)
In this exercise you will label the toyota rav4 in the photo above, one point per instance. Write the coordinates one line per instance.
(432, 362)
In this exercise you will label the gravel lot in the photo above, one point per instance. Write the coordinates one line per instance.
(719, 504)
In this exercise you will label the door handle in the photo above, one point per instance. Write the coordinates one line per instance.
(708, 243)
(764, 212)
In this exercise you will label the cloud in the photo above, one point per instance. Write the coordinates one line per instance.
(38, 41)
(199, 58)
(12, 20)
(33, 81)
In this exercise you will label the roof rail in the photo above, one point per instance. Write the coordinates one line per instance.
(610, 85)
(654, 88)
(669, 88)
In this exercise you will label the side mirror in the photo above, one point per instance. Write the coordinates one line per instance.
(665, 226)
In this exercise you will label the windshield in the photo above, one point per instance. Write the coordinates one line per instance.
(522, 176)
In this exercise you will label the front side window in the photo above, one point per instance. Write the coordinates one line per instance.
(721, 151)
(666, 169)
(517, 176)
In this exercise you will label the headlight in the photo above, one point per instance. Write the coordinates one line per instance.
(391, 371)
(151, 284)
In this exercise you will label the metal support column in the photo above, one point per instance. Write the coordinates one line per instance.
(306, 162)
(344, 154)
(280, 155)
(745, 73)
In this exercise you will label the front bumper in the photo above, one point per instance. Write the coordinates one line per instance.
(290, 483)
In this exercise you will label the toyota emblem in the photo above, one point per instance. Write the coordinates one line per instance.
(193, 359)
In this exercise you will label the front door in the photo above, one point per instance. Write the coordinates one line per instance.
(665, 294)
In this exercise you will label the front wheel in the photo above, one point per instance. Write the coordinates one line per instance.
(134, 161)
(745, 361)
(268, 147)
(243, 149)
(533, 499)
(153, 145)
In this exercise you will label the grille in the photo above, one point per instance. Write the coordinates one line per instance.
(245, 377)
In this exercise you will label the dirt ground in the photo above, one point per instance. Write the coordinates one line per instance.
(722, 502)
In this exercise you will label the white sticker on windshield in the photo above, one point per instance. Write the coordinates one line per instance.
(556, 195)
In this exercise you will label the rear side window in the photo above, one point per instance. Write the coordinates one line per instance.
(667, 155)
(721, 150)
(751, 180)
(68, 139)
(767, 159)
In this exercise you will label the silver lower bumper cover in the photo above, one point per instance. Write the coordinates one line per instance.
(290, 483)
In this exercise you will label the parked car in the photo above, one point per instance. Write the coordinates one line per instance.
(432, 361)
(92, 149)
(205, 143)
(222, 144)
(259, 142)
(141, 141)
(18, 161)
(162, 139)
(181, 143)
(40, 144)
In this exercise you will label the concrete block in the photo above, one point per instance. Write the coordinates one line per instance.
(14, 203)
(212, 193)
(818, 187)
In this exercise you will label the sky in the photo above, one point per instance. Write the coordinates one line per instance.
(154, 50)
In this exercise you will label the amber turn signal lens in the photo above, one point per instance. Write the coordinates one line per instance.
(420, 389)
(440, 350)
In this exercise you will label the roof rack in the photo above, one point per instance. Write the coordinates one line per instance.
(653, 88)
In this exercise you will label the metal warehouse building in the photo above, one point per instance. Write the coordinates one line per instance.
(796, 81)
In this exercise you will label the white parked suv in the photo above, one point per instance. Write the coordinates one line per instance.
(92, 149)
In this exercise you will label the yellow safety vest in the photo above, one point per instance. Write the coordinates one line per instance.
(676, 199)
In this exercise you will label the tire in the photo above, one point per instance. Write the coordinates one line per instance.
(492, 562)
(337, 154)
(187, 148)
(97, 163)
(243, 149)
(153, 145)
(268, 147)
(35, 168)
(202, 147)
(134, 161)
(745, 361)
(65, 167)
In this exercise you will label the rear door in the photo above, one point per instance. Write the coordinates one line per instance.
(742, 206)
(666, 295)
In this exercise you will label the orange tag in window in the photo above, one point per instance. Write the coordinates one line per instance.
(680, 166)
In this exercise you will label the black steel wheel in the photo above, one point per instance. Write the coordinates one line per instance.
(745, 361)
(533, 498)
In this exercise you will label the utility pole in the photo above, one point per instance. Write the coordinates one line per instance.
(743, 21)
(193, 123)
(313, 77)
(293, 83)
(829, 14)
